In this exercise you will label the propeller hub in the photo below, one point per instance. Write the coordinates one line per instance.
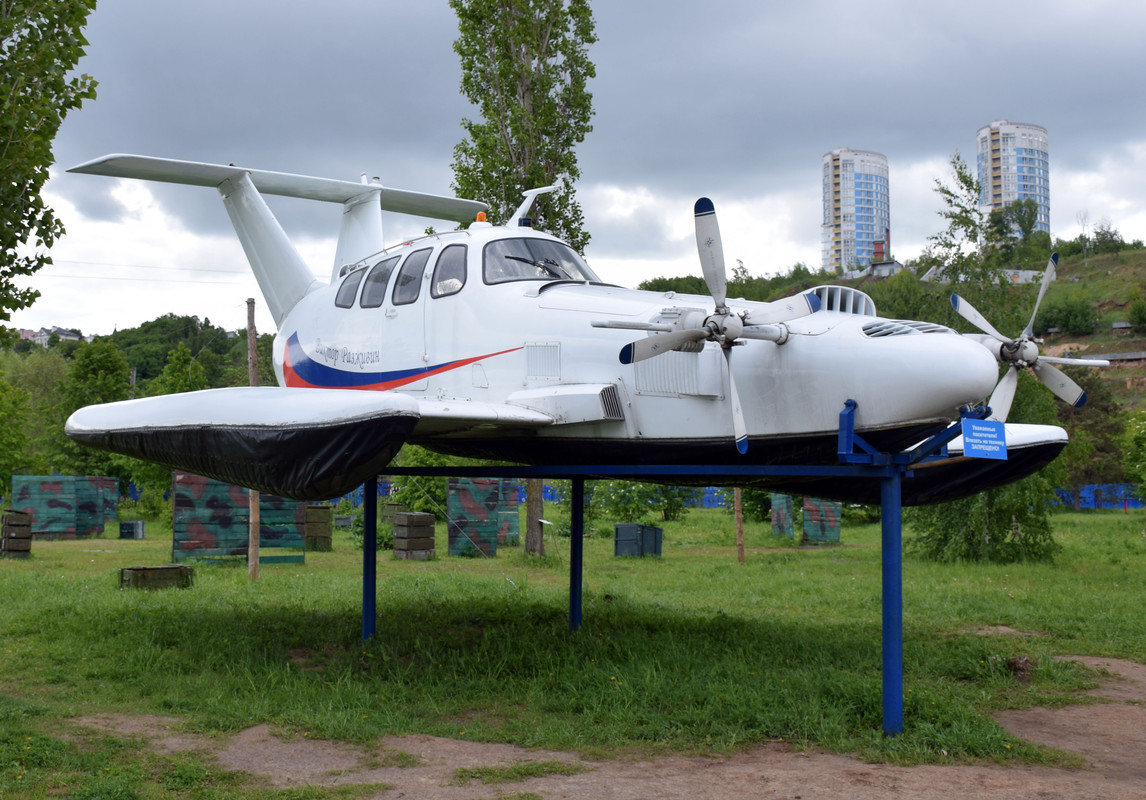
(1021, 352)
(724, 326)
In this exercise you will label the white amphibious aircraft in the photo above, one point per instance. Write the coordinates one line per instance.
(501, 343)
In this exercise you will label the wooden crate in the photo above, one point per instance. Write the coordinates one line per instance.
(320, 528)
(413, 555)
(15, 534)
(168, 576)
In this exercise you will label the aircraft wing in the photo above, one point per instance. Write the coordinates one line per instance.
(305, 444)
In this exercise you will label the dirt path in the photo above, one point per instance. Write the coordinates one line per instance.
(1111, 736)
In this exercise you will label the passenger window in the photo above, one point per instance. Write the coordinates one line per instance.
(348, 289)
(374, 292)
(449, 272)
(409, 281)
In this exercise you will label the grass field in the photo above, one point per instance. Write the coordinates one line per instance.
(690, 652)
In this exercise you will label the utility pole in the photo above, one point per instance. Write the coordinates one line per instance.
(253, 380)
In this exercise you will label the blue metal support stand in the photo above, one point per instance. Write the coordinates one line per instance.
(576, 551)
(858, 460)
(369, 556)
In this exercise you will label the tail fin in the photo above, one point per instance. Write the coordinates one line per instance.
(283, 276)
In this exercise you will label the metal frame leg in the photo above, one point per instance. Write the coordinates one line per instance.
(891, 517)
(369, 556)
(576, 551)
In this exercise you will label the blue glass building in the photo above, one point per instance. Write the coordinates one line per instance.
(856, 230)
(1013, 164)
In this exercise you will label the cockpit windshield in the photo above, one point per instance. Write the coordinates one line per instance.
(533, 259)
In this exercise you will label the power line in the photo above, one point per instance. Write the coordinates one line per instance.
(145, 280)
(149, 267)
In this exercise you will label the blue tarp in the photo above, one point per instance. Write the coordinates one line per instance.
(1102, 495)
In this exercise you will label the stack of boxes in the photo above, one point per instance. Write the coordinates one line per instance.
(16, 535)
(413, 535)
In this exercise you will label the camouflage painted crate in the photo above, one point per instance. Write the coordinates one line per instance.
(821, 521)
(97, 505)
(168, 576)
(782, 521)
(482, 513)
(211, 521)
(66, 506)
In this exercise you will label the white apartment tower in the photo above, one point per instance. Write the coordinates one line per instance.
(857, 213)
(1013, 164)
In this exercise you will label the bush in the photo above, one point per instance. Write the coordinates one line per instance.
(1002, 526)
(1073, 314)
(1138, 315)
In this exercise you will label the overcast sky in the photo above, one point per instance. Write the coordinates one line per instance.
(737, 100)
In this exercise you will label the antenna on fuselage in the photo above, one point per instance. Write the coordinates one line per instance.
(520, 217)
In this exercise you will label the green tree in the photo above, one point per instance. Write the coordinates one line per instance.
(181, 373)
(98, 374)
(525, 65)
(1008, 523)
(1002, 525)
(39, 373)
(631, 501)
(13, 439)
(1134, 451)
(957, 250)
(1096, 432)
(1138, 315)
(1107, 239)
(904, 296)
(40, 44)
(1072, 313)
(148, 346)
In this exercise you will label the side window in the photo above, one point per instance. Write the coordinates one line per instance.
(349, 288)
(409, 281)
(374, 292)
(449, 272)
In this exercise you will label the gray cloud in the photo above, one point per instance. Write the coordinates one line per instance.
(729, 98)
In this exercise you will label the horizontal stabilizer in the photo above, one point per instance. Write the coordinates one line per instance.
(328, 190)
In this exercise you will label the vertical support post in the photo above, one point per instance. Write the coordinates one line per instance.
(369, 555)
(576, 551)
(891, 516)
(253, 496)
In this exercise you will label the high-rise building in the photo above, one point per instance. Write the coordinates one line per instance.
(857, 212)
(1013, 164)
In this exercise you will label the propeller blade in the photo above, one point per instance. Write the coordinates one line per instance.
(1048, 276)
(1076, 362)
(739, 427)
(661, 343)
(1056, 380)
(710, 249)
(971, 314)
(1004, 394)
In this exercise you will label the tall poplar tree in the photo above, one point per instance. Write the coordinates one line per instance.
(41, 41)
(525, 65)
